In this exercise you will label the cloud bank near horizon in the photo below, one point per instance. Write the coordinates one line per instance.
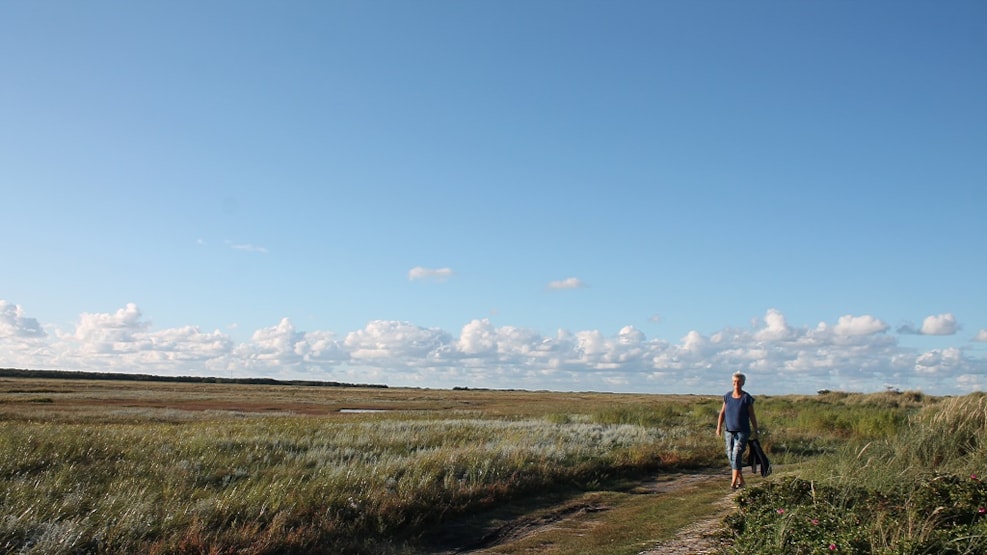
(856, 353)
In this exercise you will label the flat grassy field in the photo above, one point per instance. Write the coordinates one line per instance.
(103, 466)
(109, 400)
(99, 466)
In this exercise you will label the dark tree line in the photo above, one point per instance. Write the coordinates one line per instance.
(117, 376)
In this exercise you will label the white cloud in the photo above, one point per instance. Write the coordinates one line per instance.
(849, 325)
(852, 354)
(188, 343)
(23, 341)
(247, 247)
(981, 336)
(776, 328)
(939, 361)
(942, 324)
(437, 274)
(478, 337)
(107, 333)
(567, 283)
(694, 343)
(122, 341)
(396, 342)
(597, 350)
(280, 344)
(967, 383)
(14, 324)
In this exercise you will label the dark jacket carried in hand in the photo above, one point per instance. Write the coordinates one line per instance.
(756, 457)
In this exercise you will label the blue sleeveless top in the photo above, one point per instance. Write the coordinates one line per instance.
(738, 416)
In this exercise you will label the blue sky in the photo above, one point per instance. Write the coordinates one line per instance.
(617, 196)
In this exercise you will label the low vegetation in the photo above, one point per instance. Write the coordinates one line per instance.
(913, 488)
(106, 467)
(121, 467)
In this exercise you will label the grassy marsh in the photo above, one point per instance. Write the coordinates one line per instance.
(121, 467)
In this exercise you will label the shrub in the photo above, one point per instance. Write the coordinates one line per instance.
(943, 515)
(913, 492)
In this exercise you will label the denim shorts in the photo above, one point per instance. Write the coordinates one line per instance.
(736, 444)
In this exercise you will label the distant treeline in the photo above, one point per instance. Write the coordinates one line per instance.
(69, 375)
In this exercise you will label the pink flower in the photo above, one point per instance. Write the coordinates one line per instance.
(814, 521)
(982, 510)
(781, 511)
(832, 547)
(974, 477)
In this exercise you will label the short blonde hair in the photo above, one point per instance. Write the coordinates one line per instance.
(741, 376)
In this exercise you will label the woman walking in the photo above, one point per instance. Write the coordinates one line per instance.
(738, 415)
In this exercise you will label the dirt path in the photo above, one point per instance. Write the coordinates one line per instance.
(698, 538)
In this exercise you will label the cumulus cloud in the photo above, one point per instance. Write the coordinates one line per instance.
(939, 361)
(23, 340)
(478, 338)
(599, 351)
(775, 327)
(981, 336)
(436, 274)
(396, 342)
(283, 347)
(849, 325)
(14, 324)
(567, 283)
(189, 343)
(122, 330)
(127, 337)
(280, 343)
(851, 354)
(941, 324)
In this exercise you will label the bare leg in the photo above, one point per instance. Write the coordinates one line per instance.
(738, 479)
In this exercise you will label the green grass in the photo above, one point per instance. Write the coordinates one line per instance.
(916, 489)
(141, 478)
(171, 468)
(303, 481)
(610, 522)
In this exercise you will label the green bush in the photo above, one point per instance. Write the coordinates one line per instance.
(943, 515)
(917, 490)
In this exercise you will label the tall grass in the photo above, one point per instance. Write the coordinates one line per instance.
(946, 437)
(266, 485)
(917, 489)
(139, 472)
